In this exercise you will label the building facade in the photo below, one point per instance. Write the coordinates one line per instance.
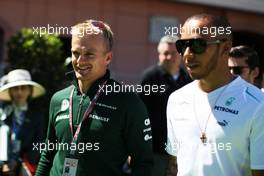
(137, 25)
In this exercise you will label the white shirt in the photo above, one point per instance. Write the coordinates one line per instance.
(235, 129)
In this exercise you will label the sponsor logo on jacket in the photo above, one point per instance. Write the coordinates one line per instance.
(224, 109)
(104, 119)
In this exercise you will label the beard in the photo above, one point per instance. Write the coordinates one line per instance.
(207, 69)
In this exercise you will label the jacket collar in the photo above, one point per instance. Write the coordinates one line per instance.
(165, 73)
(95, 86)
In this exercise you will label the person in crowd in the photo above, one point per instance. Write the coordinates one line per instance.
(26, 125)
(168, 76)
(244, 61)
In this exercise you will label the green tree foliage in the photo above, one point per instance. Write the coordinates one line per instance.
(42, 56)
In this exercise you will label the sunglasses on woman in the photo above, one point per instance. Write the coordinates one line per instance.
(198, 46)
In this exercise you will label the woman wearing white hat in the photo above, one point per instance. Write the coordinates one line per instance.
(26, 125)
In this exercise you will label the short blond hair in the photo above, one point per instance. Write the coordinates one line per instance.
(91, 26)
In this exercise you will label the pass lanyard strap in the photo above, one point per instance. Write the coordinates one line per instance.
(86, 114)
(17, 127)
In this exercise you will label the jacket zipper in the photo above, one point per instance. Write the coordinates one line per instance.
(80, 108)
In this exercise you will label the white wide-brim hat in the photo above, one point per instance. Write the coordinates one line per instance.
(19, 77)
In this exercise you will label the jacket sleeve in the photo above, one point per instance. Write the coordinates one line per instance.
(257, 140)
(47, 156)
(139, 138)
(31, 153)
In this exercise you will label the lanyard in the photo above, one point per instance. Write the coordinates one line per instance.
(86, 114)
(16, 128)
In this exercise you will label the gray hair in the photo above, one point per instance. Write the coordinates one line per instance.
(168, 39)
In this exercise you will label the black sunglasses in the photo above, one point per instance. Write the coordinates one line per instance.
(237, 70)
(198, 46)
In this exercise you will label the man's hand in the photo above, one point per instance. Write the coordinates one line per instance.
(172, 166)
(10, 168)
(257, 172)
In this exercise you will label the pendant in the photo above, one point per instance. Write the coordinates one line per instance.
(203, 138)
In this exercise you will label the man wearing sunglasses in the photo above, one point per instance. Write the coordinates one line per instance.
(215, 123)
(244, 61)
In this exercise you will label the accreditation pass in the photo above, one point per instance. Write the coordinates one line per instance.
(70, 167)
